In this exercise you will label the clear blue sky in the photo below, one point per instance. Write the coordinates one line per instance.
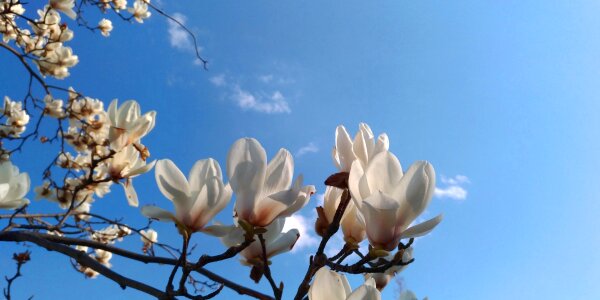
(506, 93)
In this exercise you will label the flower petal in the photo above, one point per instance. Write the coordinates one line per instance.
(383, 173)
(329, 285)
(367, 291)
(155, 212)
(171, 182)
(284, 243)
(422, 228)
(343, 154)
(279, 172)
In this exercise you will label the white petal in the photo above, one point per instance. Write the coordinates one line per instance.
(380, 213)
(203, 169)
(130, 193)
(343, 146)
(422, 228)
(171, 182)
(356, 173)
(414, 191)
(367, 291)
(157, 213)
(141, 170)
(383, 173)
(284, 243)
(279, 172)
(328, 285)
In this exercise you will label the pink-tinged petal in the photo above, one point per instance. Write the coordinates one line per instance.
(279, 173)
(380, 213)
(422, 228)
(329, 285)
(157, 213)
(284, 243)
(415, 191)
(383, 173)
(171, 182)
(367, 291)
(203, 169)
(344, 155)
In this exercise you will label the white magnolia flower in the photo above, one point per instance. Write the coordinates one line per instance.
(66, 6)
(352, 223)
(382, 279)
(103, 257)
(139, 11)
(276, 242)
(363, 148)
(13, 186)
(196, 201)
(149, 236)
(390, 200)
(119, 4)
(128, 125)
(127, 164)
(57, 62)
(54, 107)
(330, 285)
(105, 26)
(263, 191)
(16, 118)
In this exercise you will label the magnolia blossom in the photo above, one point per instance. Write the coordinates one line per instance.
(53, 107)
(276, 242)
(16, 118)
(352, 223)
(127, 164)
(57, 62)
(330, 285)
(197, 199)
(128, 125)
(105, 26)
(13, 186)
(148, 237)
(263, 191)
(363, 148)
(103, 257)
(65, 6)
(140, 10)
(382, 279)
(390, 200)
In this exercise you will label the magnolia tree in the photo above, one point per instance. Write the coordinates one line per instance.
(98, 146)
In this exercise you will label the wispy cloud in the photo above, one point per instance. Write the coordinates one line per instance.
(178, 37)
(454, 187)
(271, 104)
(304, 226)
(218, 80)
(266, 78)
(310, 148)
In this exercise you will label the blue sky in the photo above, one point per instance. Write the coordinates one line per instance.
(505, 93)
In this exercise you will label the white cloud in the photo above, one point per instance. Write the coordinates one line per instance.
(273, 104)
(266, 78)
(310, 148)
(218, 80)
(454, 188)
(304, 226)
(178, 37)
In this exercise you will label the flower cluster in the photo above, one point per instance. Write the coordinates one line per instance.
(107, 146)
(16, 118)
(264, 194)
(44, 40)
